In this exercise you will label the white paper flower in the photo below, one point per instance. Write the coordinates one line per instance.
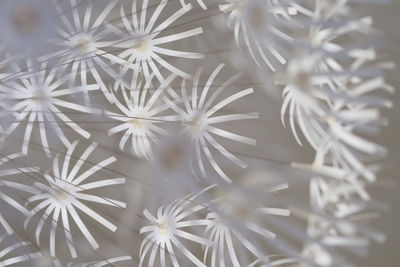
(64, 192)
(322, 77)
(260, 26)
(338, 221)
(142, 115)
(238, 241)
(37, 100)
(331, 96)
(171, 225)
(82, 42)
(143, 37)
(199, 119)
(302, 99)
(335, 108)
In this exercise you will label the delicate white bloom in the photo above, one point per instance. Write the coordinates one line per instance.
(326, 22)
(333, 129)
(142, 40)
(261, 24)
(230, 244)
(332, 109)
(337, 221)
(237, 241)
(14, 251)
(342, 144)
(171, 225)
(65, 192)
(38, 100)
(329, 95)
(199, 118)
(322, 77)
(81, 45)
(302, 99)
(142, 115)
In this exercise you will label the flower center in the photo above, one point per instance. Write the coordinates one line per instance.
(38, 97)
(163, 228)
(83, 45)
(257, 17)
(61, 193)
(173, 157)
(137, 122)
(302, 79)
(196, 123)
(314, 38)
(25, 20)
(233, 205)
(141, 46)
(330, 120)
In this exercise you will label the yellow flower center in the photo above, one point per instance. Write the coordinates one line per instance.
(330, 120)
(196, 123)
(141, 46)
(83, 45)
(163, 228)
(61, 193)
(37, 97)
(137, 122)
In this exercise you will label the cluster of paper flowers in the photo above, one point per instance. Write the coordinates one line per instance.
(141, 83)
